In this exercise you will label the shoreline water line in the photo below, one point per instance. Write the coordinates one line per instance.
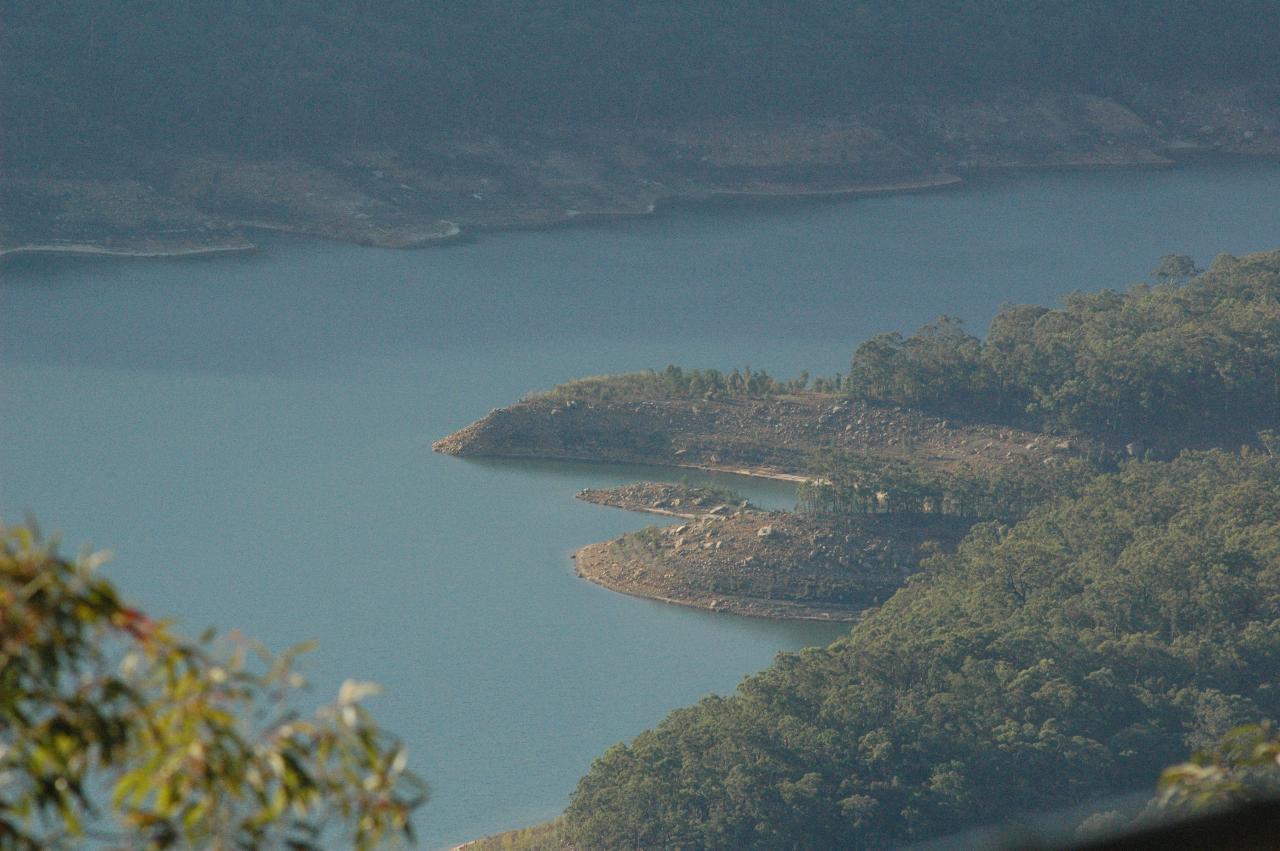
(456, 233)
(87, 249)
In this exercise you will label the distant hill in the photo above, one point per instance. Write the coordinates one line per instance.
(151, 128)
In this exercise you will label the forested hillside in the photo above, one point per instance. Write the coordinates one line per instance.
(1063, 659)
(1178, 360)
(96, 79)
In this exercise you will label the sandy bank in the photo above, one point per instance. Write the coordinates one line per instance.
(755, 472)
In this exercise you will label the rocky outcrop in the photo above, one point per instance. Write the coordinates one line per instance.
(771, 564)
(672, 499)
(772, 436)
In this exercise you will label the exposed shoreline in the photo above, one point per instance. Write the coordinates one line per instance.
(773, 437)
(420, 240)
(419, 235)
(456, 233)
(107, 251)
(670, 499)
(750, 472)
(463, 182)
(453, 233)
(735, 559)
(923, 184)
(593, 563)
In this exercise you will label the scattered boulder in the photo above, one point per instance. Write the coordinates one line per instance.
(794, 566)
(676, 499)
(773, 435)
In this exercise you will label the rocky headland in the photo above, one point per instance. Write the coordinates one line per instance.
(773, 436)
(671, 499)
(771, 564)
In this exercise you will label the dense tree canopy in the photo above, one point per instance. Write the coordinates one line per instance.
(1068, 657)
(81, 77)
(1196, 359)
(674, 382)
(851, 483)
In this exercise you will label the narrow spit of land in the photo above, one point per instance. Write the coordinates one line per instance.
(671, 499)
(732, 557)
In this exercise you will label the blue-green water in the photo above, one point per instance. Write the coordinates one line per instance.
(251, 434)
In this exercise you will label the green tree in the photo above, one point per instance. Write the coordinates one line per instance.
(1182, 362)
(1244, 765)
(1176, 267)
(114, 727)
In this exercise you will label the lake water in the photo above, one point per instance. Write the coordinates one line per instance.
(251, 434)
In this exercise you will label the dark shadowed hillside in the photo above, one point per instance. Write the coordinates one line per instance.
(287, 75)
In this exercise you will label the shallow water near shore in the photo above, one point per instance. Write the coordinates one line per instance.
(251, 434)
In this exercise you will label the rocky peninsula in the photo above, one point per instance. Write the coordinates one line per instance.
(774, 436)
(672, 499)
(730, 556)
(767, 563)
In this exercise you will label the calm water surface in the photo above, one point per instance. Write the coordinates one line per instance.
(251, 434)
